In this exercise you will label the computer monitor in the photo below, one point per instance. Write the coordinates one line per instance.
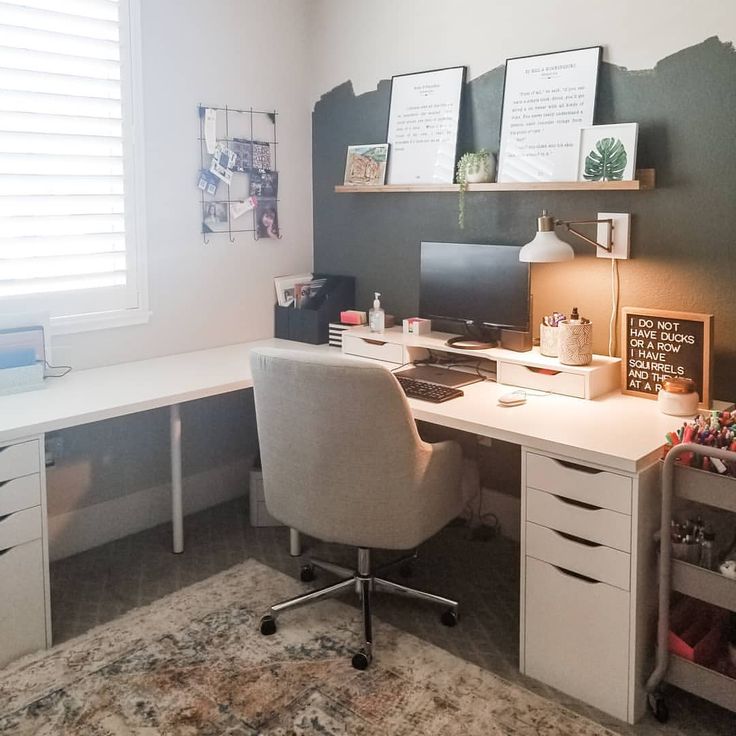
(484, 288)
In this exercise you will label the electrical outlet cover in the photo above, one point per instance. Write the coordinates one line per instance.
(621, 235)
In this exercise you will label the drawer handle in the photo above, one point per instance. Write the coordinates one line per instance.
(2, 518)
(5, 551)
(577, 540)
(380, 343)
(577, 575)
(581, 468)
(579, 504)
(543, 371)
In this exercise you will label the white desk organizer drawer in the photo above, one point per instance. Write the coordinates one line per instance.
(515, 374)
(20, 493)
(576, 636)
(578, 555)
(18, 460)
(22, 603)
(373, 347)
(20, 527)
(596, 487)
(580, 519)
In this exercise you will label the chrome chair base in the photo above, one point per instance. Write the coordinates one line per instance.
(364, 582)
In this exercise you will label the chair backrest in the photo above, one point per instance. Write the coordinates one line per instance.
(339, 448)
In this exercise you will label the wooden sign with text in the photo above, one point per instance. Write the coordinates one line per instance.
(658, 344)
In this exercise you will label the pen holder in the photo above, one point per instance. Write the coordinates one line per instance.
(575, 343)
(549, 340)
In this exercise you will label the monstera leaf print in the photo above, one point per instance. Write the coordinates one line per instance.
(606, 162)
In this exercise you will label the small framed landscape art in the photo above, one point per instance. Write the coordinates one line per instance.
(366, 164)
(608, 152)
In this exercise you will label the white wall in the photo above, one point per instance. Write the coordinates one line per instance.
(241, 53)
(369, 40)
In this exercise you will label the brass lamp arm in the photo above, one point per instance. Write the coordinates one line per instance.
(607, 246)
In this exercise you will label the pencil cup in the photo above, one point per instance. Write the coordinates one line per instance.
(575, 343)
(549, 340)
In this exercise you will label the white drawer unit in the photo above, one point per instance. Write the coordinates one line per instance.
(23, 600)
(20, 493)
(18, 460)
(542, 379)
(579, 555)
(373, 347)
(580, 519)
(576, 636)
(579, 482)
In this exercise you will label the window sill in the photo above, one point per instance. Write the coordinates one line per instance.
(99, 321)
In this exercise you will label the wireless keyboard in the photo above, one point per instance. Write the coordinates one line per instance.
(427, 391)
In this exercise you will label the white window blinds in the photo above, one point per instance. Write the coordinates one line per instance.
(67, 214)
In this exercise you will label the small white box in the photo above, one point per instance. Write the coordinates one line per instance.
(259, 515)
(417, 326)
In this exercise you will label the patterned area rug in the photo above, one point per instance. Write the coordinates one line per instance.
(195, 663)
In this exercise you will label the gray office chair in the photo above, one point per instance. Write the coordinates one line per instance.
(343, 462)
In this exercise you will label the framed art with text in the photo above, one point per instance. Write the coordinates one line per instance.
(423, 119)
(658, 344)
(546, 100)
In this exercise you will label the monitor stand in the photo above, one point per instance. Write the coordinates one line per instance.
(467, 343)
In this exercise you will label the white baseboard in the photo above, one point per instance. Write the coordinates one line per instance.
(91, 526)
(507, 509)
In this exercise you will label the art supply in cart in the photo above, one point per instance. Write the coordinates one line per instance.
(714, 429)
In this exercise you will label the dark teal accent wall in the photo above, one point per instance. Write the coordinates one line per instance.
(683, 233)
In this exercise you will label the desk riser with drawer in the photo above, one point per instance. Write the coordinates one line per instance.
(588, 580)
(25, 614)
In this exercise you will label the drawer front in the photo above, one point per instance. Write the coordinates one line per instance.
(576, 636)
(567, 384)
(21, 493)
(585, 558)
(583, 520)
(23, 601)
(18, 460)
(373, 348)
(20, 527)
(589, 485)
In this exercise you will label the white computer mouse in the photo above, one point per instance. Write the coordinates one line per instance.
(513, 399)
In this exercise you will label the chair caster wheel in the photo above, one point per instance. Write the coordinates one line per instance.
(406, 570)
(449, 617)
(306, 574)
(361, 660)
(268, 625)
(658, 706)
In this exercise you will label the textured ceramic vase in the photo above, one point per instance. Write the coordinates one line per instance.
(575, 343)
(549, 340)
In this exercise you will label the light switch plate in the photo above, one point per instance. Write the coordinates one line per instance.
(621, 235)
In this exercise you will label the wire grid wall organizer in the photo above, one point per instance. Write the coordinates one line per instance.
(248, 131)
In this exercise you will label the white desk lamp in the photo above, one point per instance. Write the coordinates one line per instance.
(546, 247)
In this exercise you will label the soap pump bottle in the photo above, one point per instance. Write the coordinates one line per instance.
(376, 317)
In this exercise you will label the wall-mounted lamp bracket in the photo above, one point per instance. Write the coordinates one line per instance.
(608, 223)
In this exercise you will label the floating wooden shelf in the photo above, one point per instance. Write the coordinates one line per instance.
(645, 179)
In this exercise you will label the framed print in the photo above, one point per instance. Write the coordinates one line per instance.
(285, 287)
(608, 152)
(546, 100)
(366, 164)
(658, 344)
(423, 118)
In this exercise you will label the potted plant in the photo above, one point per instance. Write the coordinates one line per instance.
(473, 168)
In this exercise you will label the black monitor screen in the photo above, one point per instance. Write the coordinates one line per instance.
(484, 284)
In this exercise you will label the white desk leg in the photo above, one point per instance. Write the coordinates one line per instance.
(295, 543)
(177, 517)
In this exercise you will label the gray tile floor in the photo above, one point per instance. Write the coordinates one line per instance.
(101, 584)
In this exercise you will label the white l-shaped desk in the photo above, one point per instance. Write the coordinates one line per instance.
(567, 443)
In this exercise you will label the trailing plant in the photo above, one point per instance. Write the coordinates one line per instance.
(469, 164)
(606, 162)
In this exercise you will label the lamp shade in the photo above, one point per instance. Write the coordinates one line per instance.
(546, 247)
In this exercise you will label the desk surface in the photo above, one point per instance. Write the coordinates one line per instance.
(621, 432)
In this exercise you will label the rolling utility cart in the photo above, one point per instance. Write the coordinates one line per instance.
(693, 581)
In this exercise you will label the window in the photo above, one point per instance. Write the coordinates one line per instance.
(71, 215)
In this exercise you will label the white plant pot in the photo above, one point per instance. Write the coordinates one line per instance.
(484, 173)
